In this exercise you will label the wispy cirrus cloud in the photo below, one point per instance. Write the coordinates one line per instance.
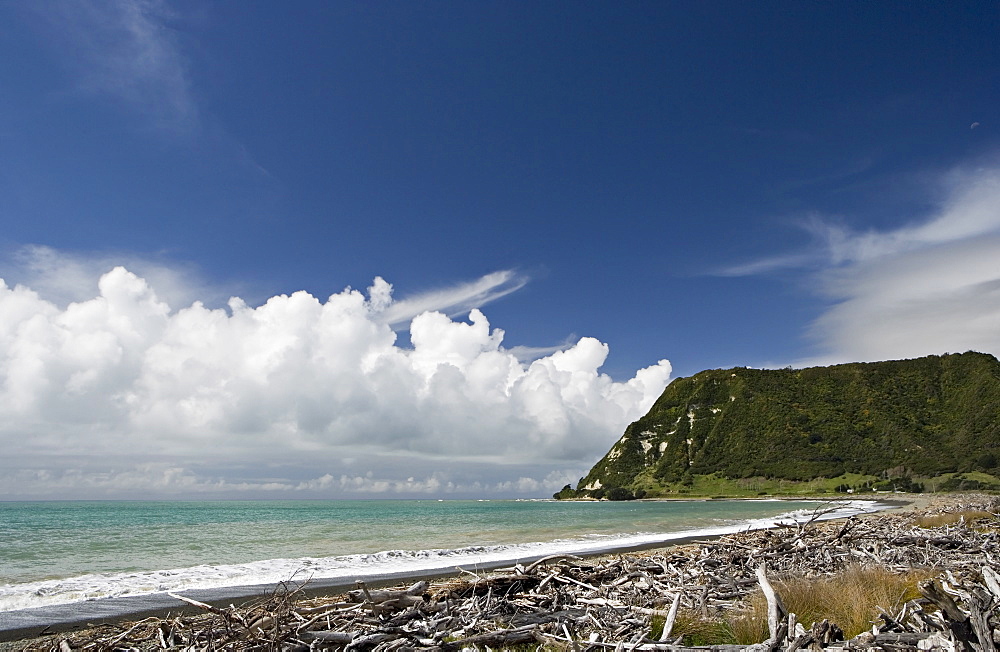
(929, 286)
(937, 299)
(454, 300)
(968, 211)
(126, 51)
(766, 265)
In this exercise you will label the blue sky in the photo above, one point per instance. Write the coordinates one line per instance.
(714, 184)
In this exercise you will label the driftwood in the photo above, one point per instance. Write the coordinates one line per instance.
(624, 602)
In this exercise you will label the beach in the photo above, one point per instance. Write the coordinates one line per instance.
(663, 598)
(610, 528)
(16, 625)
(56, 553)
(74, 623)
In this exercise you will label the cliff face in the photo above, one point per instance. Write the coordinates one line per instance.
(923, 417)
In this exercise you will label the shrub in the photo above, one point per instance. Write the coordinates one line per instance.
(903, 483)
(565, 493)
(619, 493)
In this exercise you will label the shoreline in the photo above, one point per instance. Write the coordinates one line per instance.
(716, 588)
(69, 617)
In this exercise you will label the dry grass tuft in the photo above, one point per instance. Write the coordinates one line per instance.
(950, 518)
(750, 627)
(695, 629)
(851, 599)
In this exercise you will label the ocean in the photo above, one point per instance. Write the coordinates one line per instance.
(63, 552)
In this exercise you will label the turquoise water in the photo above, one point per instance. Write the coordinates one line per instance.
(64, 551)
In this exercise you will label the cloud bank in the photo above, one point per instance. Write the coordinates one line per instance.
(121, 394)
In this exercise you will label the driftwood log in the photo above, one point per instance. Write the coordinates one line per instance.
(623, 602)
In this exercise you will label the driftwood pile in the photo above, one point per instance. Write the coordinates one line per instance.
(622, 602)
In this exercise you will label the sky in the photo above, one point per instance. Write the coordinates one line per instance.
(396, 249)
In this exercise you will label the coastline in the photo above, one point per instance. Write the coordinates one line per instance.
(65, 618)
(614, 600)
(66, 551)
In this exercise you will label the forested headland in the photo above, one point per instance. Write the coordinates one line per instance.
(929, 423)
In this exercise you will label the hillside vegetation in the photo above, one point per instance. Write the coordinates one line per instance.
(927, 423)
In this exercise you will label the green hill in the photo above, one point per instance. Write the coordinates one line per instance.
(931, 422)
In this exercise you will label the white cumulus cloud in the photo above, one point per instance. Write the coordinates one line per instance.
(122, 390)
